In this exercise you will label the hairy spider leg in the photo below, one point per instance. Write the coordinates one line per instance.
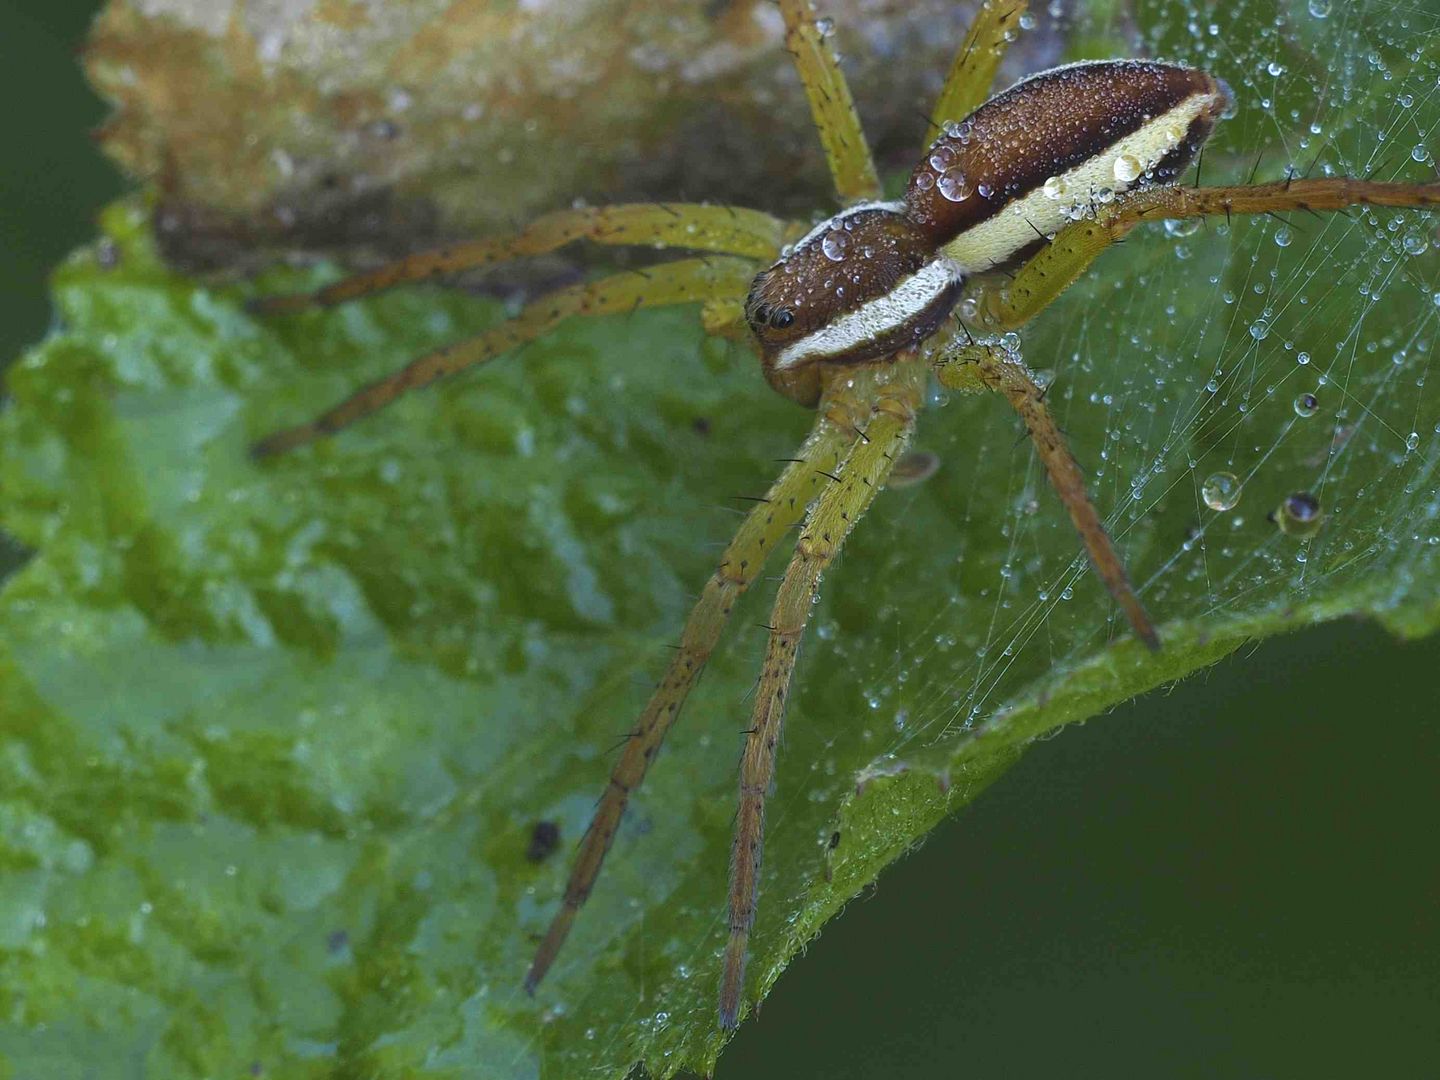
(1051, 271)
(725, 230)
(972, 74)
(972, 367)
(680, 282)
(767, 523)
(894, 393)
(831, 106)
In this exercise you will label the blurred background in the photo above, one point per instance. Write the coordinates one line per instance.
(1237, 877)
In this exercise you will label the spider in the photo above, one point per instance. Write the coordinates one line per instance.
(1012, 200)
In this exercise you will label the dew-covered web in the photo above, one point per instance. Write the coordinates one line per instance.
(1206, 372)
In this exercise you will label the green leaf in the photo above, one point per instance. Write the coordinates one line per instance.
(274, 739)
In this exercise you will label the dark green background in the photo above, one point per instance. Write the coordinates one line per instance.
(1238, 878)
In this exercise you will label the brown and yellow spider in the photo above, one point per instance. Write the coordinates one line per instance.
(1011, 202)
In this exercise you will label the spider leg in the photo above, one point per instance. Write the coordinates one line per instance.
(894, 394)
(846, 150)
(973, 72)
(726, 230)
(680, 282)
(973, 367)
(724, 316)
(1075, 247)
(764, 526)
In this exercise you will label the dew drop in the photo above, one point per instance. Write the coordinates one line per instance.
(954, 186)
(1221, 490)
(1412, 441)
(1306, 405)
(1182, 227)
(1128, 168)
(1054, 188)
(835, 244)
(1320, 9)
(1415, 244)
(1283, 236)
(1260, 329)
(1299, 515)
(1302, 358)
(1420, 153)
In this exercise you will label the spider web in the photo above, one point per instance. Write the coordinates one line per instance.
(1185, 359)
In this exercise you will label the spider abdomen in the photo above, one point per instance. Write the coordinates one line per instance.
(1052, 146)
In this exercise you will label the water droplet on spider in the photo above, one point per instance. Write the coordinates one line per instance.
(1028, 21)
(824, 27)
(1221, 490)
(1128, 168)
(835, 244)
(1182, 227)
(1320, 9)
(954, 186)
(1306, 405)
(1299, 515)
(925, 181)
(1283, 236)
(1054, 188)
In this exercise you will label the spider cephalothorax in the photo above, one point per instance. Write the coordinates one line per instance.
(862, 285)
(1012, 200)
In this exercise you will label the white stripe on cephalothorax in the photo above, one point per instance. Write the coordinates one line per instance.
(874, 318)
(1046, 209)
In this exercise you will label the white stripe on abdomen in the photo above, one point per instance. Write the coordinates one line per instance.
(1046, 209)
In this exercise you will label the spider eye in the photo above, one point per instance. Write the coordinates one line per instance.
(762, 313)
(782, 318)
